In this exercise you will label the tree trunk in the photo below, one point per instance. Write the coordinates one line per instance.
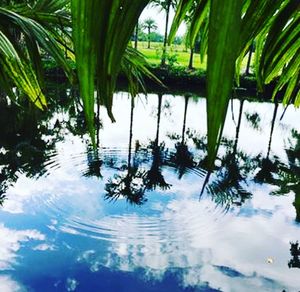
(186, 101)
(163, 57)
(158, 119)
(272, 128)
(237, 134)
(191, 59)
(149, 37)
(136, 36)
(130, 132)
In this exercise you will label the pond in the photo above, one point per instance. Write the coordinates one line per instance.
(140, 212)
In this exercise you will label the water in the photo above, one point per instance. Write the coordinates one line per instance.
(133, 216)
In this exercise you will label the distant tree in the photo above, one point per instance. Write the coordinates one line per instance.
(156, 37)
(136, 35)
(165, 5)
(149, 24)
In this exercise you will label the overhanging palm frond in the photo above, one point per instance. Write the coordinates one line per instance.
(223, 43)
(135, 67)
(29, 30)
(20, 73)
(101, 30)
(274, 28)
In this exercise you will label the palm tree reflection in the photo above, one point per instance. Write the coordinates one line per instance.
(227, 189)
(129, 184)
(295, 253)
(154, 178)
(288, 176)
(94, 164)
(183, 159)
(2, 197)
(268, 167)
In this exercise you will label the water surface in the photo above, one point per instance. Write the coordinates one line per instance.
(133, 215)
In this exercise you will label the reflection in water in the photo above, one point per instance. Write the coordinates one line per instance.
(58, 191)
(2, 198)
(295, 253)
(254, 120)
(183, 159)
(267, 165)
(129, 184)
(227, 189)
(153, 177)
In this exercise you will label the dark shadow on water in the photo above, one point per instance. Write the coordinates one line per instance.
(295, 253)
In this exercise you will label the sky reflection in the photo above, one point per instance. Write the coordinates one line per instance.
(176, 239)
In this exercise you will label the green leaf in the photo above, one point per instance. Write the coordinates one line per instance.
(20, 73)
(181, 10)
(101, 31)
(199, 16)
(223, 46)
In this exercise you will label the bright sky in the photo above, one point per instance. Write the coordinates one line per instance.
(160, 18)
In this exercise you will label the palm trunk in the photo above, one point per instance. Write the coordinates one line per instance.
(130, 133)
(191, 59)
(272, 128)
(163, 58)
(186, 99)
(149, 37)
(136, 36)
(237, 134)
(158, 119)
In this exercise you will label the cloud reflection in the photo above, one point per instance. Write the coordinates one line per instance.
(11, 243)
(230, 255)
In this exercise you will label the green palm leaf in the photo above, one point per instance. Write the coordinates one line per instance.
(223, 44)
(101, 31)
(20, 73)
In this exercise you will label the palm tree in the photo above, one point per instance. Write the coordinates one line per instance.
(149, 24)
(165, 5)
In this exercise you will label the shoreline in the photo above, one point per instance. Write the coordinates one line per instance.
(179, 82)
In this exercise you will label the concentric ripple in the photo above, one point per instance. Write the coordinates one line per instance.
(167, 215)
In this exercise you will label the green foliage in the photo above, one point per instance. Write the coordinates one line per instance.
(224, 24)
(101, 31)
(274, 27)
(25, 30)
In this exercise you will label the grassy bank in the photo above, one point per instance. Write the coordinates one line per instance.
(177, 56)
(178, 53)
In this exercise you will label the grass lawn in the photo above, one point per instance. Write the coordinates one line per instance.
(182, 54)
(153, 54)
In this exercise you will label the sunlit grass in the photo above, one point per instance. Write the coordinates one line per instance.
(153, 55)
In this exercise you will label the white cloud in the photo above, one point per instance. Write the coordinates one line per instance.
(44, 246)
(11, 242)
(9, 285)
